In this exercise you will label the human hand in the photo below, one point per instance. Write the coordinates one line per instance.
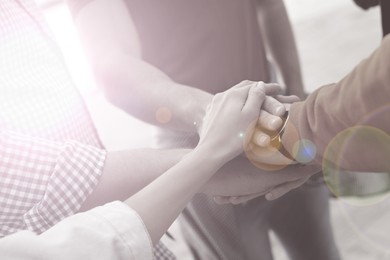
(272, 107)
(264, 147)
(271, 122)
(239, 180)
(233, 114)
(273, 194)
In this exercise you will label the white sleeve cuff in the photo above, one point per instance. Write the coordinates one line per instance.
(129, 227)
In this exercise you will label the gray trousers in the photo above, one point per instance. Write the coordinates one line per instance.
(300, 219)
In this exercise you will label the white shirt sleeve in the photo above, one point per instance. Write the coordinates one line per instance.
(113, 231)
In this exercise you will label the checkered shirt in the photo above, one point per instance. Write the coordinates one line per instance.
(50, 154)
(51, 157)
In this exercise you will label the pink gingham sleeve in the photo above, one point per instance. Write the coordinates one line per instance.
(42, 182)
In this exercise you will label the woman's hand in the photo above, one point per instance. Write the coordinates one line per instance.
(233, 114)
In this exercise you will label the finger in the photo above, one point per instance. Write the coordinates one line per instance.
(269, 121)
(270, 89)
(242, 199)
(290, 173)
(281, 190)
(221, 200)
(260, 138)
(287, 99)
(254, 101)
(298, 171)
(241, 90)
(273, 106)
(244, 83)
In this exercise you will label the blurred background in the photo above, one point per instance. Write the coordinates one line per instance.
(333, 36)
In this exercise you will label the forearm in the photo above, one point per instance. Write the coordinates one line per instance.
(220, 141)
(359, 104)
(147, 93)
(280, 40)
(160, 203)
(127, 172)
(137, 87)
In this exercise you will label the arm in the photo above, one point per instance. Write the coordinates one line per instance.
(235, 111)
(231, 180)
(345, 124)
(44, 182)
(116, 170)
(127, 172)
(348, 121)
(280, 41)
(113, 231)
(133, 85)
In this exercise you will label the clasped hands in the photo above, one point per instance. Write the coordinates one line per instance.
(256, 168)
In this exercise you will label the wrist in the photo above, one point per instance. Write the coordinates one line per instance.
(199, 112)
(209, 154)
(290, 138)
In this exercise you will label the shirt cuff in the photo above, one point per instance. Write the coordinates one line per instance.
(76, 173)
(128, 226)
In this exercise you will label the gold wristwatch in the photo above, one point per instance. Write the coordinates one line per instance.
(276, 137)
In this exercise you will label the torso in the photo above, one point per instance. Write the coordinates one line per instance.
(37, 97)
(208, 44)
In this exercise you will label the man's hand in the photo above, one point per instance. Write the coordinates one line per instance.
(239, 178)
(263, 147)
(242, 179)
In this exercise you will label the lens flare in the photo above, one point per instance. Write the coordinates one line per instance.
(360, 148)
(163, 115)
(363, 195)
(304, 151)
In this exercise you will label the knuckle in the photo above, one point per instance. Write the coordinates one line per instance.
(246, 82)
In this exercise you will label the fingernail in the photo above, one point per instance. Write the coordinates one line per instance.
(274, 123)
(269, 196)
(263, 140)
(260, 84)
(279, 110)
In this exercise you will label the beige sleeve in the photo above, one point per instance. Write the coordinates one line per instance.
(348, 123)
